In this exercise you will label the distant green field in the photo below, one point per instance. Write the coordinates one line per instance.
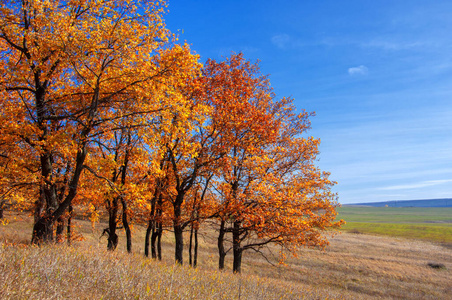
(433, 224)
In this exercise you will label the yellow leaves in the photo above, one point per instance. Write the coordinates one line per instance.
(93, 215)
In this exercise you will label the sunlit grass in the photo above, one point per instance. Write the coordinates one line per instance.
(74, 273)
(354, 266)
(430, 232)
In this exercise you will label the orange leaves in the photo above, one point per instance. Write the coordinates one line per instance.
(97, 100)
(269, 184)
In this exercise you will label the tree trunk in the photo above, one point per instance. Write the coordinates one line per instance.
(149, 231)
(178, 235)
(237, 264)
(60, 230)
(125, 212)
(154, 236)
(190, 260)
(43, 227)
(157, 232)
(112, 219)
(2, 208)
(195, 258)
(221, 252)
(125, 222)
(39, 226)
(69, 220)
(159, 241)
(42, 230)
(236, 247)
(178, 229)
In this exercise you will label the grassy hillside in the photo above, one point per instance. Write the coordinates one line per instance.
(432, 224)
(354, 266)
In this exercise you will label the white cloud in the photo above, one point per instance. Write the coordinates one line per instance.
(281, 41)
(417, 185)
(361, 70)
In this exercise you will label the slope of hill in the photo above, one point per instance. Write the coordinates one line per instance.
(354, 266)
(447, 202)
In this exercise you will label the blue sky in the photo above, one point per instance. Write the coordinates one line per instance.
(378, 74)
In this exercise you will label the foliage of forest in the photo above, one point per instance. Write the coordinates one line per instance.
(104, 112)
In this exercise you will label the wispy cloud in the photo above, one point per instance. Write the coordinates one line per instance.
(390, 45)
(417, 185)
(360, 70)
(281, 41)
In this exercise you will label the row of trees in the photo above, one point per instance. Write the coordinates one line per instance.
(102, 110)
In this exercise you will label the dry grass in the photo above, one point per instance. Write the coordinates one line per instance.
(353, 267)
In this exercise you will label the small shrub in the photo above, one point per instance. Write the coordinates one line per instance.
(436, 265)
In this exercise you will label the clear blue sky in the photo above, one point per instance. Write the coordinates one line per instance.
(378, 74)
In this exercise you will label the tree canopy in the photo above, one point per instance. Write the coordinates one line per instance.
(102, 109)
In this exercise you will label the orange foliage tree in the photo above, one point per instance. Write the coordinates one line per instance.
(270, 190)
(70, 67)
(101, 109)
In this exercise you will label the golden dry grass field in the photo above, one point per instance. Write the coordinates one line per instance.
(354, 266)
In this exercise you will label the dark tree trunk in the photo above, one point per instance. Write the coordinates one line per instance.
(236, 247)
(157, 231)
(149, 231)
(60, 230)
(69, 220)
(43, 227)
(38, 207)
(237, 264)
(112, 224)
(195, 256)
(39, 227)
(42, 230)
(2, 208)
(190, 260)
(221, 252)
(178, 229)
(159, 241)
(178, 235)
(154, 236)
(125, 222)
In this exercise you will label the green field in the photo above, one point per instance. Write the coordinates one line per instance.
(432, 224)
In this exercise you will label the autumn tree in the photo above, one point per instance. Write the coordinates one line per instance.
(266, 160)
(100, 108)
(110, 167)
(280, 196)
(240, 99)
(69, 67)
(201, 206)
(189, 155)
